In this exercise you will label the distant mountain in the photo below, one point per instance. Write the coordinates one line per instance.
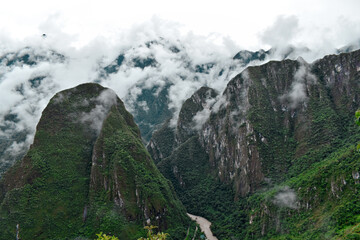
(153, 78)
(349, 47)
(29, 56)
(14, 141)
(149, 98)
(87, 171)
(288, 52)
(273, 155)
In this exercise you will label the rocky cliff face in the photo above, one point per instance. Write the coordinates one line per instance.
(87, 171)
(271, 115)
(272, 123)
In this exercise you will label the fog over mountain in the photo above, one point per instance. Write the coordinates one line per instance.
(152, 67)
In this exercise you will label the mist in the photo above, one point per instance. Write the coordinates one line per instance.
(33, 69)
(286, 197)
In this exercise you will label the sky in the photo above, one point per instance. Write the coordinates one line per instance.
(246, 24)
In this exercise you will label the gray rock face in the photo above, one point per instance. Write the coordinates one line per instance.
(269, 117)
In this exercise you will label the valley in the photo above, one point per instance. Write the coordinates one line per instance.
(272, 155)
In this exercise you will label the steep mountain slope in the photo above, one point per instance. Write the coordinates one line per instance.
(322, 202)
(274, 122)
(87, 171)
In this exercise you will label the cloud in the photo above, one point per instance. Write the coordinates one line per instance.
(143, 105)
(200, 118)
(297, 94)
(17, 147)
(97, 115)
(178, 56)
(282, 32)
(286, 197)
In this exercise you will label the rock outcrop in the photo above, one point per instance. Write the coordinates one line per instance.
(286, 123)
(269, 117)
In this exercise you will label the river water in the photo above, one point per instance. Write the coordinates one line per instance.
(204, 225)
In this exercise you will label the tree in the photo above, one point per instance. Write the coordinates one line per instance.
(103, 236)
(152, 236)
(357, 121)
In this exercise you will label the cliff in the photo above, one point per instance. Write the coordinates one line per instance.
(273, 123)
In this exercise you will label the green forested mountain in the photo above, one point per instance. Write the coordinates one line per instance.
(87, 171)
(273, 156)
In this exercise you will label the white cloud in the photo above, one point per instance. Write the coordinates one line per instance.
(282, 32)
(297, 94)
(85, 56)
(96, 116)
(286, 197)
(200, 118)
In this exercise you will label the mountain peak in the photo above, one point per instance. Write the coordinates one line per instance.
(87, 166)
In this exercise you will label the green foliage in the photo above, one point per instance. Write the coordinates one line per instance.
(200, 192)
(165, 141)
(152, 236)
(56, 192)
(357, 121)
(103, 236)
(357, 116)
(327, 197)
(307, 146)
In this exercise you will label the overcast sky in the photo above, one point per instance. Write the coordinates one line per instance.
(246, 24)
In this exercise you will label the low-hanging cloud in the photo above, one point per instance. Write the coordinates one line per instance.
(61, 63)
(202, 116)
(298, 92)
(97, 115)
(286, 197)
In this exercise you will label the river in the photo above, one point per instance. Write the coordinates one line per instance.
(204, 225)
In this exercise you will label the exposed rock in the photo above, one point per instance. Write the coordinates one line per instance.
(269, 116)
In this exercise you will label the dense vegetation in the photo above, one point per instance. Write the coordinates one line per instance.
(305, 184)
(265, 165)
(78, 179)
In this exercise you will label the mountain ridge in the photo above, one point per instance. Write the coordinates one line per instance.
(87, 171)
(272, 123)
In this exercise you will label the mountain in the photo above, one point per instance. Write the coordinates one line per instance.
(153, 78)
(87, 171)
(152, 98)
(287, 52)
(274, 154)
(28, 57)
